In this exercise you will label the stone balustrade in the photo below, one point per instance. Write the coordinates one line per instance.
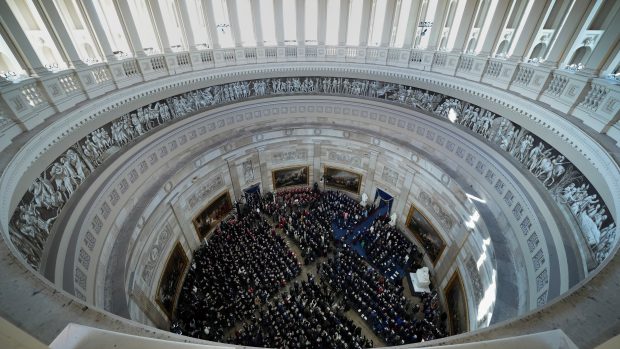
(28, 102)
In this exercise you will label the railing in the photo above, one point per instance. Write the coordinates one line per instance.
(206, 56)
(250, 53)
(440, 59)
(524, 75)
(271, 53)
(557, 85)
(23, 96)
(158, 63)
(32, 93)
(465, 63)
(183, 59)
(594, 97)
(130, 68)
(493, 69)
(311, 51)
(229, 56)
(290, 51)
(415, 56)
(101, 75)
(69, 83)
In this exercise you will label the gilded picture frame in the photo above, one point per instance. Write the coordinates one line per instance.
(290, 176)
(171, 280)
(339, 178)
(426, 234)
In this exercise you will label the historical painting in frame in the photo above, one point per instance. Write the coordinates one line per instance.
(458, 321)
(171, 280)
(342, 179)
(426, 234)
(290, 176)
(215, 211)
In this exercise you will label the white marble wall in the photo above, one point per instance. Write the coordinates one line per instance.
(197, 167)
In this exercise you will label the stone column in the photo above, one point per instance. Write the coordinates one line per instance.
(437, 28)
(101, 38)
(19, 43)
(533, 21)
(562, 42)
(279, 18)
(258, 28)
(412, 24)
(370, 173)
(344, 22)
(301, 22)
(186, 24)
(184, 220)
(316, 164)
(462, 32)
(400, 204)
(59, 33)
(366, 7)
(207, 9)
(234, 177)
(388, 23)
(322, 25)
(129, 26)
(499, 16)
(265, 178)
(160, 28)
(233, 16)
(605, 47)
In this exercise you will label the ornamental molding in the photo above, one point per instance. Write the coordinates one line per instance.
(77, 123)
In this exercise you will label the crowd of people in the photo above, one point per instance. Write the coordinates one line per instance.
(239, 268)
(240, 286)
(307, 316)
(381, 303)
(387, 249)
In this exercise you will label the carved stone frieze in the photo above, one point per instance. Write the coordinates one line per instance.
(389, 175)
(345, 158)
(205, 190)
(289, 156)
(444, 218)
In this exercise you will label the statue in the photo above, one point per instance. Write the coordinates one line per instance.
(423, 277)
(364, 200)
(393, 219)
